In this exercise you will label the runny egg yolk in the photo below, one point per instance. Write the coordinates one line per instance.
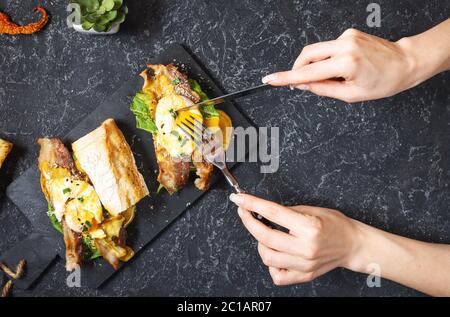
(77, 201)
(170, 135)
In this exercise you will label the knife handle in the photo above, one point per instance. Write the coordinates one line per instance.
(234, 183)
(232, 180)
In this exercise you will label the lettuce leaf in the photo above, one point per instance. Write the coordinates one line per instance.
(54, 221)
(160, 188)
(198, 89)
(207, 111)
(140, 107)
(90, 251)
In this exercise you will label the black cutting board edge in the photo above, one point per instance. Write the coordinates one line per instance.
(155, 212)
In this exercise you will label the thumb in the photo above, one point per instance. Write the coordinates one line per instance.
(331, 88)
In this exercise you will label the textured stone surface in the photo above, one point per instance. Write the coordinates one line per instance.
(384, 162)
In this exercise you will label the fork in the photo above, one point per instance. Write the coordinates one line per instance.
(197, 132)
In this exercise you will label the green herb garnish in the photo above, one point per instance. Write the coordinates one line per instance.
(86, 226)
(183, 141)
(66, 190)
(173, 113)
(176, 81)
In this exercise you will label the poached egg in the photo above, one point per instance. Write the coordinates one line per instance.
(77, 201)
(170, 135)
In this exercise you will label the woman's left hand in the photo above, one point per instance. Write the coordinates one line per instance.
(318, 240)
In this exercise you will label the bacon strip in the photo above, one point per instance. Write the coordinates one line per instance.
(74, 247)
(203, 170)
(181, 83)
(173, 172)
(107, 253)
(53, 153)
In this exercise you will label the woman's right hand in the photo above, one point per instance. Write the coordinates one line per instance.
(320, 239)
(358, 66)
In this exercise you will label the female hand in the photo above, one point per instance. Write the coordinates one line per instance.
(318, 241)
(358, 66)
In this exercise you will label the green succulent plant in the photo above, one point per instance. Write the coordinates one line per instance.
(101, 15)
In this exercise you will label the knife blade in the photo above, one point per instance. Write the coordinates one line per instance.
(230, 96)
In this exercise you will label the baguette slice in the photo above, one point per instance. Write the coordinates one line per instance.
(5, 148)
(105, 156)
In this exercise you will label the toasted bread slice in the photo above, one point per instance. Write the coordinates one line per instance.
(105, 156)
(5, 148)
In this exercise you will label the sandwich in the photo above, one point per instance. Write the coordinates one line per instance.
(92, 193)
(5, 149)
(164, 92)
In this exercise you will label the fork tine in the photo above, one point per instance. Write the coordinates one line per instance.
(195, 130)
(190, 133)
(190, 130)
(205, 130)
(197, 125)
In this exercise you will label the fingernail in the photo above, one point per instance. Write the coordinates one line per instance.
(268, 79)
(240, 212)
(302, 87)
(236, 199)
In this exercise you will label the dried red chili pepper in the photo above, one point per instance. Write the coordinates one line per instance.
(9, 27)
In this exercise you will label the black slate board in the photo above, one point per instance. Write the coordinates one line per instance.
(154, 213)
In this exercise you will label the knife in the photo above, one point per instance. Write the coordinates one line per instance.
(233, 95)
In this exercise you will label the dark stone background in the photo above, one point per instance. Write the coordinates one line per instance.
(384, 162)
